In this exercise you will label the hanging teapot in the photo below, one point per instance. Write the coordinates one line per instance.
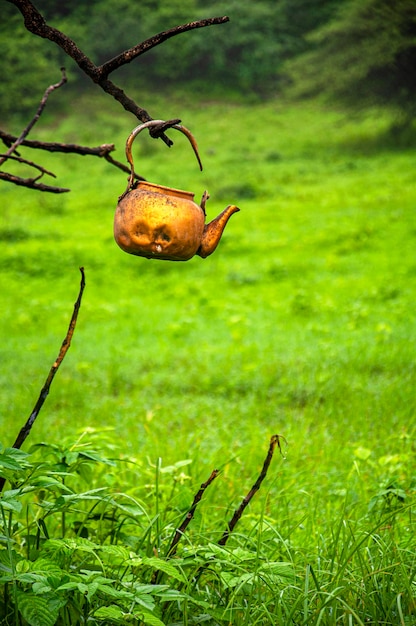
(158, 222)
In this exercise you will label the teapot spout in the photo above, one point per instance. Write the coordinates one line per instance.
(213, 231)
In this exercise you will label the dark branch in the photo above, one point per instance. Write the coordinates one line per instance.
(275, 440)
(36, 24)
(148, 44)
(68, 148)
(197, 499)
(53, 146)
(26, 428)
(31, 183)
(20, 159)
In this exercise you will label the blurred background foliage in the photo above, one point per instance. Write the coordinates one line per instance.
(354, 51)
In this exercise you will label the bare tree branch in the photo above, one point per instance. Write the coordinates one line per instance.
(274, 441)
(54, 146)
(20, 159)
(35, 23)
(197, 499)
(31, 183)
(35, 118)
(148, 44)
(26, 428)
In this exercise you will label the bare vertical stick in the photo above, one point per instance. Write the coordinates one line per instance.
(274, 441)
(197, 499)
(25, 430)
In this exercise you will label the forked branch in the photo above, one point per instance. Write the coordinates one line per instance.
(36, 24)
(13, 143)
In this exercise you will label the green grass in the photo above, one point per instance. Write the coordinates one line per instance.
(302, 323)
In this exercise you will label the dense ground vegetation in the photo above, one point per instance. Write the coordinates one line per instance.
(302, 323)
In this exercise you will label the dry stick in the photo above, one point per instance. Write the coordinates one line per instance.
(102, 151)
(148, 44)
(25, 430)
(197, 499)
(31, 183)
(275, 440)
(53, 146)
(35, 118)
(181, 530)
(35, 23)
(41, 169)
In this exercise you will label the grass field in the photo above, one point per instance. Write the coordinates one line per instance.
(302, 323)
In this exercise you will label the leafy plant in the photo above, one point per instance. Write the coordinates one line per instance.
(72, 555)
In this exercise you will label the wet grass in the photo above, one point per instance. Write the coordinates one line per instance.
(301, 323)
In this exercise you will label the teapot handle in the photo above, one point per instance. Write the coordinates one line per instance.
(149, 124)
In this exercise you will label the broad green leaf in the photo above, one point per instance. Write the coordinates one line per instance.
(237, 581)
(112, 592)
(131, 509)
(165, 567)
(13, 459)
(93, 494)
(115, 554)
(40, 587)
(70, 586)
(149, 618)
(47, 566)
(282, 569)
(35, 609)
(94, 456)
(71, 457)
(171, 595)
(10, 503)
(88, 589)
(146, 601)
(48, 482)
(239, 554)
(79, 543)
(217, 551)
(110, 613)
(5, 565)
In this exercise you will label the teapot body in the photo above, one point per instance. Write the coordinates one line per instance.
(158, 222)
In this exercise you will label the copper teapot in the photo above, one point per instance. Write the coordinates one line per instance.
(158, 222)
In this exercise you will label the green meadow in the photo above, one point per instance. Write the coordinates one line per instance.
(302, 323)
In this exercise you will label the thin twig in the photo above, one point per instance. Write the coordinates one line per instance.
(275, 440)
(53, 146)
(25, 430)
(31, 183)
(35, 118)
(197, 499)
(129, 55)
(20, 159)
